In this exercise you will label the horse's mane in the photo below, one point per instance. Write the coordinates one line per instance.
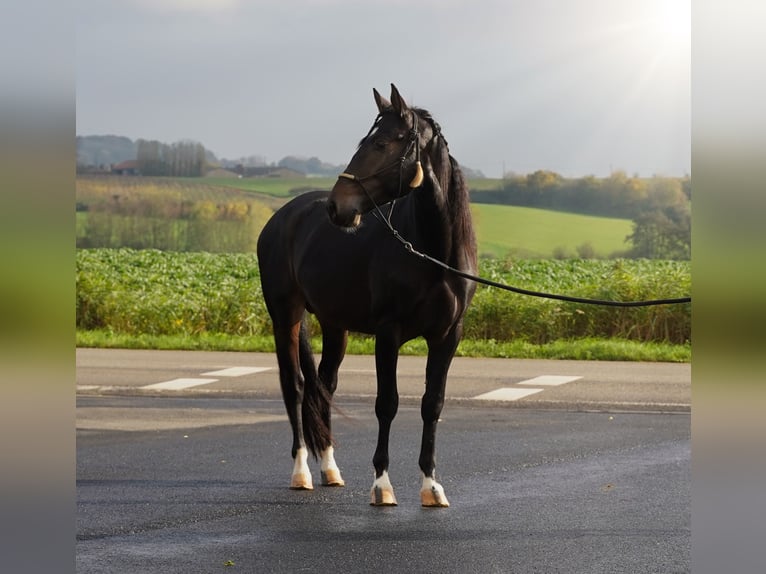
(452, 182)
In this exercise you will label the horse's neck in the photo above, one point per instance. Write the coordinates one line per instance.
(441, 219)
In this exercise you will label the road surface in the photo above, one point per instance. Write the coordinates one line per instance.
(553, 474)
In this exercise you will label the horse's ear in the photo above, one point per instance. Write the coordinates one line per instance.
(398, 103)
(382, 103)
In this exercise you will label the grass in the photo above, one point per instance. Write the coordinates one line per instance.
(588, 349)
(281, 187)
(155, 299)
(275, 186)
(119, 205)
(540, 233)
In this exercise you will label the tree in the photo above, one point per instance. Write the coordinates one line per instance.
(663, 233)
(181, 159)
(149, 157)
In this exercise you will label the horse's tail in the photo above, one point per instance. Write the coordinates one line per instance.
(315, 407)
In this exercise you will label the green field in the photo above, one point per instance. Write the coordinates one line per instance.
(501, 229)
(276, 186)
(161, 293)
(153, 203)
(535, 233)
(282, 186)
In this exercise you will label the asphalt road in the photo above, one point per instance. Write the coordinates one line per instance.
(582, 475)
(594, 385)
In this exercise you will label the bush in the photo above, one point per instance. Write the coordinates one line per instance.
(155, 292)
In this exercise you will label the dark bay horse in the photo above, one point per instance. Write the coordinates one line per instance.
(333, 256)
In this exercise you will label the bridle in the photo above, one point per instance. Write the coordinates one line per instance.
(413, 143)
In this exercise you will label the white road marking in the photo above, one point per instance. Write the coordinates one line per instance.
(236, 371)
(549, 380)
(514, 393)
(507, 394)
(178, 384)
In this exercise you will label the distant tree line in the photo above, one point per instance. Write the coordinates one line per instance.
(181, 159)
(103, 151)
(660, 207)
(310, 166)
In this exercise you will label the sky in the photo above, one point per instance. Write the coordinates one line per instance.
(579, 87)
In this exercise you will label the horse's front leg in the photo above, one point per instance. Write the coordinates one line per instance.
(440, 356)
(386, 406)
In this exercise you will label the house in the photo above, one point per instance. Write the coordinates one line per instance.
(129, 167)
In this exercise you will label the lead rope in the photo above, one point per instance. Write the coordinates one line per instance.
(386, 221)
(408, 246)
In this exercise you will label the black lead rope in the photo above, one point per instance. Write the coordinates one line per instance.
(408, 246)
(386, 220)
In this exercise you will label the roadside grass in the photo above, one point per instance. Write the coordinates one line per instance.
(198, 300)
(587, 349)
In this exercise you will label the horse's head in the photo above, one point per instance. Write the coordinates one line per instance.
(386, 166)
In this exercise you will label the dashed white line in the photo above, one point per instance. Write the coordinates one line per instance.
(515, 393)
(549, 380)
(236, 371)
(507, 394)
(187, 383)
(178, 384)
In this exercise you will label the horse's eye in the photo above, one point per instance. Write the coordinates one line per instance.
(380, 143)
(400, 137)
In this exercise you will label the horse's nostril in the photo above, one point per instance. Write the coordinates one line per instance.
(332, 210)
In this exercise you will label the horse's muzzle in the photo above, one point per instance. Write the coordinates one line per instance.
(350, 218)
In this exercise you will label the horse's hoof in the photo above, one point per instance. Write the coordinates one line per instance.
(433, 499)
(332, 477)
(382, 497)
(432, 494)
(301, 482)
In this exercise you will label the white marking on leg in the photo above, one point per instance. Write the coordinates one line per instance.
(382, 492)
(330, 471)
(301, 478)
(432, 493)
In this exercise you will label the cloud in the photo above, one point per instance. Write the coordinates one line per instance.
(188, 5)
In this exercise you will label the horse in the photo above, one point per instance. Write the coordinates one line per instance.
(346, 257)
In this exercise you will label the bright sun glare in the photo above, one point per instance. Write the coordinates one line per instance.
(672, 23)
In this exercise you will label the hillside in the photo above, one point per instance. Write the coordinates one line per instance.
(534, 233)
(167, 203)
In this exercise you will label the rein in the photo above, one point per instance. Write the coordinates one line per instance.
(386, 220)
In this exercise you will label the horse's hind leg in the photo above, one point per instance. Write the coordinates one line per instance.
(440, 356)
(333, 350)
(286, 338)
